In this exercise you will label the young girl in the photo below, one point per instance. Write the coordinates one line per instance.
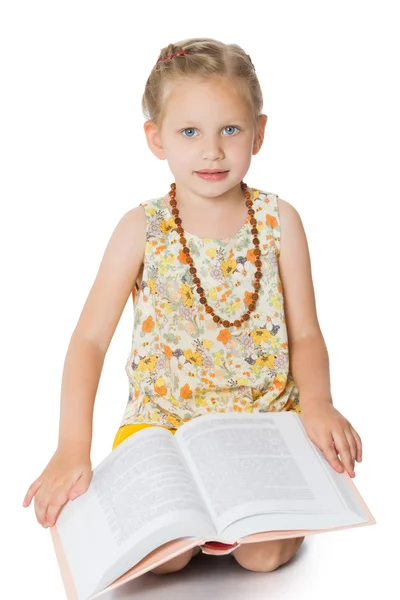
(221, 282)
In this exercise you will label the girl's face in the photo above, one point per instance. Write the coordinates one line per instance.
(206, 125)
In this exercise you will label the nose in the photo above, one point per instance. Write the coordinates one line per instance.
(212, 149)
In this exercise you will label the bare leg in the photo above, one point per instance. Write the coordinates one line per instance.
(177, 563)
(267, 556)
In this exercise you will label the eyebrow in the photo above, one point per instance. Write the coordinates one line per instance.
(226, 121)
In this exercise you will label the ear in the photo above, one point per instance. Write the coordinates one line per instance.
(153, 139)
(259, 134)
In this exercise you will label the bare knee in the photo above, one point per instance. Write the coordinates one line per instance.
(175, 564)
(257, 562)
(267, 556)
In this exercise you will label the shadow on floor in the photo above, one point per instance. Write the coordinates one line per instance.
(214, 575)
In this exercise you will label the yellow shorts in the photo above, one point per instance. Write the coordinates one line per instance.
(127, 430)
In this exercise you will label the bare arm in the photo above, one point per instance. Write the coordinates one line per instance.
(91, 338)
(326, 427)
(310, 369)
(309, 361)
(82, 369)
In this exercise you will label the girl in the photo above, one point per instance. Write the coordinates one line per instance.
(207, 265)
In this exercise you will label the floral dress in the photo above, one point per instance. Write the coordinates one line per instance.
(182, 364)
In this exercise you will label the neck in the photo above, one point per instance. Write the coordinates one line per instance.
(229, 200)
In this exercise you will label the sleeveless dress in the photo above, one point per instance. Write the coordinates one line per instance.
(182, 364)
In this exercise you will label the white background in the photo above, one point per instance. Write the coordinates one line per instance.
(74, 159)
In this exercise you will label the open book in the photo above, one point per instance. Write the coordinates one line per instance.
(222, 480)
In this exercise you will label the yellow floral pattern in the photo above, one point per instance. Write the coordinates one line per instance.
(182, 364)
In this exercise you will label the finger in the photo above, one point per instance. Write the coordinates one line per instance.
(57, 500)
(31, 492)
(64, 493)
(78, 486)
(41, 503)
(358, 444)
(353, 447)
(331, 456)
(342, 445)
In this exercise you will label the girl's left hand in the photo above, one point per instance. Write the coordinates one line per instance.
(328, 429)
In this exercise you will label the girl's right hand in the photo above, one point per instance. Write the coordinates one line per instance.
(69, 472)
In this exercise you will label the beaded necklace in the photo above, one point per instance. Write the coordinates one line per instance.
(193, 270)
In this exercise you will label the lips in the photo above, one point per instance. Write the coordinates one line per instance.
(212, 176)
(211, 171)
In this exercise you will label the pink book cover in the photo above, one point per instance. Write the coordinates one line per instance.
(176, 547)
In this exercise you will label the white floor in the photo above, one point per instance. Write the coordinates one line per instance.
(335, 565)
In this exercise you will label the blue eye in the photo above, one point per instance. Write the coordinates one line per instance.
(231, 127)
(188, 129)
(193, 129)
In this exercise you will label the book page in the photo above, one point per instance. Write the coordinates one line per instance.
(141, 496)
(283, 521)
(253, 463)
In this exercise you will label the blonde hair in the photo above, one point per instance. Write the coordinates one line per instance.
(204, 58)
